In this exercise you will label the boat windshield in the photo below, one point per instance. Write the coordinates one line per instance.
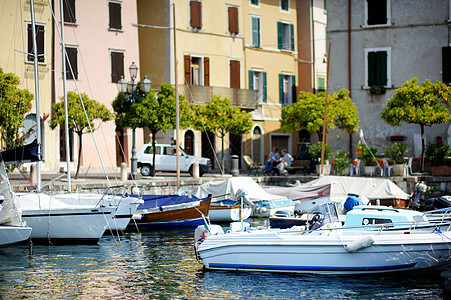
(323, 214)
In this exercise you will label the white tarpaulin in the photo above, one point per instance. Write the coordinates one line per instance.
(231, 186)
(372, 188)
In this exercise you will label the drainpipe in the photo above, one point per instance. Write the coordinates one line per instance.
(313, 56)
(349, 65)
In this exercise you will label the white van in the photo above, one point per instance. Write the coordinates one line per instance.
(166, 160)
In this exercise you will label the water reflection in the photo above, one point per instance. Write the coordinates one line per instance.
(161, 264)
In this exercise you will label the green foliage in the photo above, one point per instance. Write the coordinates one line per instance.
(367, 154)
(438, 154)
(416, 103)
(316, 149)
(341, 160)
(396, 152)
(308, 112)
(14, 105)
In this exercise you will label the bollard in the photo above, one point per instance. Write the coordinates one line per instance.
(234, 165)
(123, 171)
(196, 169)
(33, 174)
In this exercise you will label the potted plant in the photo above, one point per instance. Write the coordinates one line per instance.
(396, 153)
(377, 90)
(438, 156)
(368, 156)
(316, 150)
(341, 162)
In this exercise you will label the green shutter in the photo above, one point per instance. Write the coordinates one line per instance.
(293, 89)
(281, 89)
(321, 84)
(381, 67)
(371, 69)
(280, 35)
(251, 79)
(264, 88)
(292, 36)
(255, 31)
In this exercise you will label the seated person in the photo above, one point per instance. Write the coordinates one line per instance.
(272, 158)
(285, 161)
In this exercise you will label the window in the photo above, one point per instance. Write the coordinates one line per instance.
(378, 63)
(233, 19)
(321, 84)
(69, 11)
(287, 89)
(284, 5)
(255, 29)
(71, 61)
(257, 82)
(446, 65)
(235, 74)
(195, 14)
(40, 42)
(285, 36)
(377, 12)
(117, 66)
(197, 70)
(255, 2)
(115, 15)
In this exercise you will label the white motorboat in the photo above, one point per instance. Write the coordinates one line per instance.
(262, 203)
(123, 203)
(323, 247)
(12, 228)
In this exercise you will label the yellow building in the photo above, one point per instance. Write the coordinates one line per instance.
(15, 34)
(244, 50)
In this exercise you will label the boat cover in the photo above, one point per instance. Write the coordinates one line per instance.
(23, 154)
(228, 188)
(152, 201)
(300, 192)
(371, 188)
(10, 212)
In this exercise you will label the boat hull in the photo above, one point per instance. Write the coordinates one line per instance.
(191, 216)
(319, 254)
(225, 213)
(13, 234)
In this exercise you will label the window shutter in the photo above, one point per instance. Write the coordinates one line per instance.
(446, 65)
(292, 36)
(281, 94)
(256, 32)
(196, 14)
(72, 60)
(235, 74)
(377, 12)
(40, 42)
(187, 60)
(381, 68)
(30, 43)
(115, 15)
(117, 66)
(264, 88)
(233, 19)
(293, 89)
(69, 11)
(372, 69)
(251, 79)
(280, 35)
(206, 71)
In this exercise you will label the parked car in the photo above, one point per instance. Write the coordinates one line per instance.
(166, 160)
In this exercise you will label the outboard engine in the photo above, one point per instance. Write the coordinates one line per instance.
(420, 189)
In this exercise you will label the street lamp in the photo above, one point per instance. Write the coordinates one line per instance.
(124, 87)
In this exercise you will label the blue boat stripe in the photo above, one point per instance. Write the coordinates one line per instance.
(309, 268)
(68, 214)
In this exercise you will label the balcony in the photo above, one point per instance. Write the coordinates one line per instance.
(198, 94)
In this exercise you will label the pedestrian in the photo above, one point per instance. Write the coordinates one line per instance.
(285, 161)
(272, 158)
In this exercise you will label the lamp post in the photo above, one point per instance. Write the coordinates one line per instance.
(123, 86)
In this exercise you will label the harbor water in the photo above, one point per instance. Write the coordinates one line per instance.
(161, 264)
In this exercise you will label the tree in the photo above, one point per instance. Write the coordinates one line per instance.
(220, 117)
(308, 112)
(155, 113)
(14, 105)
(78, 121)
(418, 103)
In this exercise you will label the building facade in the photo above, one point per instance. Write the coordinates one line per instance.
(384, 44)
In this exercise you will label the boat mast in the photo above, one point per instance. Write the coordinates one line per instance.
(66, 121)
(325, 113)
(36, 88)
(177, 117)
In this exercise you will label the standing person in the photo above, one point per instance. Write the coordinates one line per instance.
(272, 157)
(285, 161)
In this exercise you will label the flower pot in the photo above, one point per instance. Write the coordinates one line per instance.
(326, 169)
(398, 170)
(369, 170)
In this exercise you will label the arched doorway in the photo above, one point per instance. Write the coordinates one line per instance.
(189, 142)
(304, 136)
(257, 144)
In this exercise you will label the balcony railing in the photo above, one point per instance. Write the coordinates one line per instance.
(197, 94)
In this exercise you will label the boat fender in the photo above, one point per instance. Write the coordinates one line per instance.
(360, 243)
